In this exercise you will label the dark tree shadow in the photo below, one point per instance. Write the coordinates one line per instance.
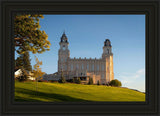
(21, 99)
(50, 96)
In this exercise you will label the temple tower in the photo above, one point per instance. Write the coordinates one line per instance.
(107, 57)
(107, 49)
(63, 53)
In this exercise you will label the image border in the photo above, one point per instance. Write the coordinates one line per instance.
(151, 11)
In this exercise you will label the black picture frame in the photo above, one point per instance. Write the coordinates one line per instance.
(148, 7)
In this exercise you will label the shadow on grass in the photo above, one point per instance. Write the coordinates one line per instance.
(50, 96)
(21, 99)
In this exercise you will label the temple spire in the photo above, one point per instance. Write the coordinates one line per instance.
(64, 37)
(64, 32)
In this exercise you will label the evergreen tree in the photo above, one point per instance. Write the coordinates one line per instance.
(74, 80)
(26, 62)
(19, 63)
(79, 80)
(62, 78)
(90, 81)
(98, 83)
(23, 61)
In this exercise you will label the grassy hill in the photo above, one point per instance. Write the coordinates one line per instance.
(48, 92)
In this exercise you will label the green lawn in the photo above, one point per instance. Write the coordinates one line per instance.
(48, 92)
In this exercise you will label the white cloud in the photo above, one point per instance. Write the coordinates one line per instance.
(140, 73)
(133, 80)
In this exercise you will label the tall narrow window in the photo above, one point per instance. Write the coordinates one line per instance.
(62, 67)
(97, 67)
(108, 51)
(71, 67)
(102, 76)
(102, 67)
(77, 66)
(82, 67)
(66, 67)
(88, 67)
(92, 67)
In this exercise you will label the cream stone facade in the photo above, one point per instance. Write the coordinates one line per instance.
(98, 69)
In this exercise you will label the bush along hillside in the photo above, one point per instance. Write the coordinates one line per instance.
(115, 83)
(50, 92)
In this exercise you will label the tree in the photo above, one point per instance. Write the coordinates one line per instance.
(74, 80)
(28, 36)
(90, 81)
(26, 62)
(78, 80)
(37, 72)
(19, 63)
(115, 83)
(23, 61)
(98, 83)
(62, 80)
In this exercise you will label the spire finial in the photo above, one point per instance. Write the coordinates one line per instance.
(64, 31)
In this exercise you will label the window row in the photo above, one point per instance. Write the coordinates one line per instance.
(88, 67)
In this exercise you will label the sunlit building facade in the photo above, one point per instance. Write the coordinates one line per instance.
(98, 69)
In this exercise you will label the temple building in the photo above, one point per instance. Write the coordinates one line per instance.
(98, 69)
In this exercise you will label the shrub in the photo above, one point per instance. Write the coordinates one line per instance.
(60, 80)
(115, 83)
(69, 80)
(51, 81)
(40, 80)
(44, 81)
(90, 81)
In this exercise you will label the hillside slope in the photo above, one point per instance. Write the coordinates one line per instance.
(50, 92)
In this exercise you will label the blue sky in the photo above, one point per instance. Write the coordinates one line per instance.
(86, 35)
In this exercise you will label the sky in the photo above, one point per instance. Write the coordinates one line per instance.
(86, 35)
